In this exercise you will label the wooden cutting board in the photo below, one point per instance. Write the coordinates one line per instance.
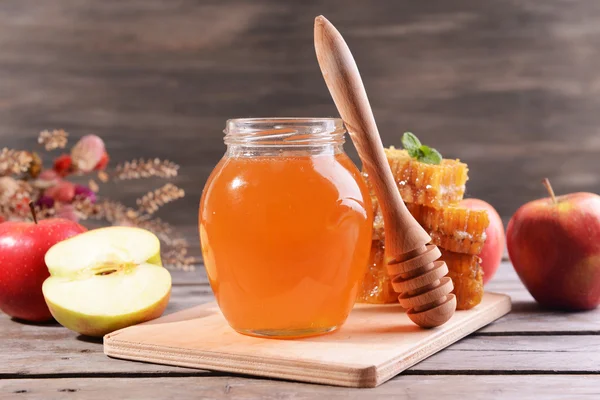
(376, 343)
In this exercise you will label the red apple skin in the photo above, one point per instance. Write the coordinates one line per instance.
(491, 254)
(555, 249)
(23, 246)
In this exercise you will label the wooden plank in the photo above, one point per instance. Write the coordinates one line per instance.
(30, 350)
(527, 317)
(49, 349)
(436, 387)
(375, 344)
(523, 354)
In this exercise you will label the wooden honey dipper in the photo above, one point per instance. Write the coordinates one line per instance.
(421, 281)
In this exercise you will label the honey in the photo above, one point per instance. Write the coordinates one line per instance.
(285, 238)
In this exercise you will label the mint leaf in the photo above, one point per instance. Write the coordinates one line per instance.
(410, 142)
(418, 151)
(414, 153)
(430, 155)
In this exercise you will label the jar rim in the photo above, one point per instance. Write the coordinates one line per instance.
(284, 131)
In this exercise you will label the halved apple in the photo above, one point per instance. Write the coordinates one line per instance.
(106, 279)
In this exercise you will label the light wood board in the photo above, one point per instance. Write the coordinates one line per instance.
(375, 344)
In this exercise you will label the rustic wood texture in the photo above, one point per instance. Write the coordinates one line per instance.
(524, 387)
(375, 344)
(510, 87)
(528, 352)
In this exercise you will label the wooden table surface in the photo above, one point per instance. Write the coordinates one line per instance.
(529, 354)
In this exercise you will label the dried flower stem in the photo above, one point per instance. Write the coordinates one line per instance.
(152, 201)
(145, 169)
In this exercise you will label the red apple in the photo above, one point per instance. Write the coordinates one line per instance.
(554, 245)
(491, 254)
(23, 246)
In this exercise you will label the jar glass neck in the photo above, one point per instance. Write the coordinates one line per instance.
(281, 136)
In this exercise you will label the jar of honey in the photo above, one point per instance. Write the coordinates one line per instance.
(285, 227)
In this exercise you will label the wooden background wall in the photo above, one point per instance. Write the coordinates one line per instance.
(510, 87)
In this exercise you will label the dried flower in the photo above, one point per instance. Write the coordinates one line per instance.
(35, 168)
(152, 201)
(63, 192)
(63, 165)
(101, 166)
(145, 169)
(46, 179)
(178, 257)
(85, 192)
(45, 202)
(54, 196)
(15, 196)
(8, 188)
(57, 139)
(66, 211)
(87, 153)
(108, 210)
(14, 161)
(93, 186)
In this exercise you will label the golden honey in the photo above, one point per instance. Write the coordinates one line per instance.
(286, 233)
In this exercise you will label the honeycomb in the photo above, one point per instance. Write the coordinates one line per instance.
(454, 228)
(467, 276)
(431, 193)
(464, 269)
(376, 286)
(426, 184)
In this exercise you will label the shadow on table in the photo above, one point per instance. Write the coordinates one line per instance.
(51, 323)
(89, 339)
(533, 307)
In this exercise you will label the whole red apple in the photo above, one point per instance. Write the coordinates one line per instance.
(491, 254)
(23, 246)
(554, 245)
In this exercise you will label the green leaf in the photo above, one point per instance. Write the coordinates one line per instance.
(430, 155)
(418, 151)
(410, 142)
(414, 153)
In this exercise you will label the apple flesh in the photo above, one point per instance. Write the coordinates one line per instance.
(554, 245)
(106, 279)
(22, 267)
(491, 254)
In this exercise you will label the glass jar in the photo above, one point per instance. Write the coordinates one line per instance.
(285, 225)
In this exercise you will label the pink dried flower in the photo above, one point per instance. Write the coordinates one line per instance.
(87, 153)
(67, 211)
(85, 193)
(63, 191)
(46, 179)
